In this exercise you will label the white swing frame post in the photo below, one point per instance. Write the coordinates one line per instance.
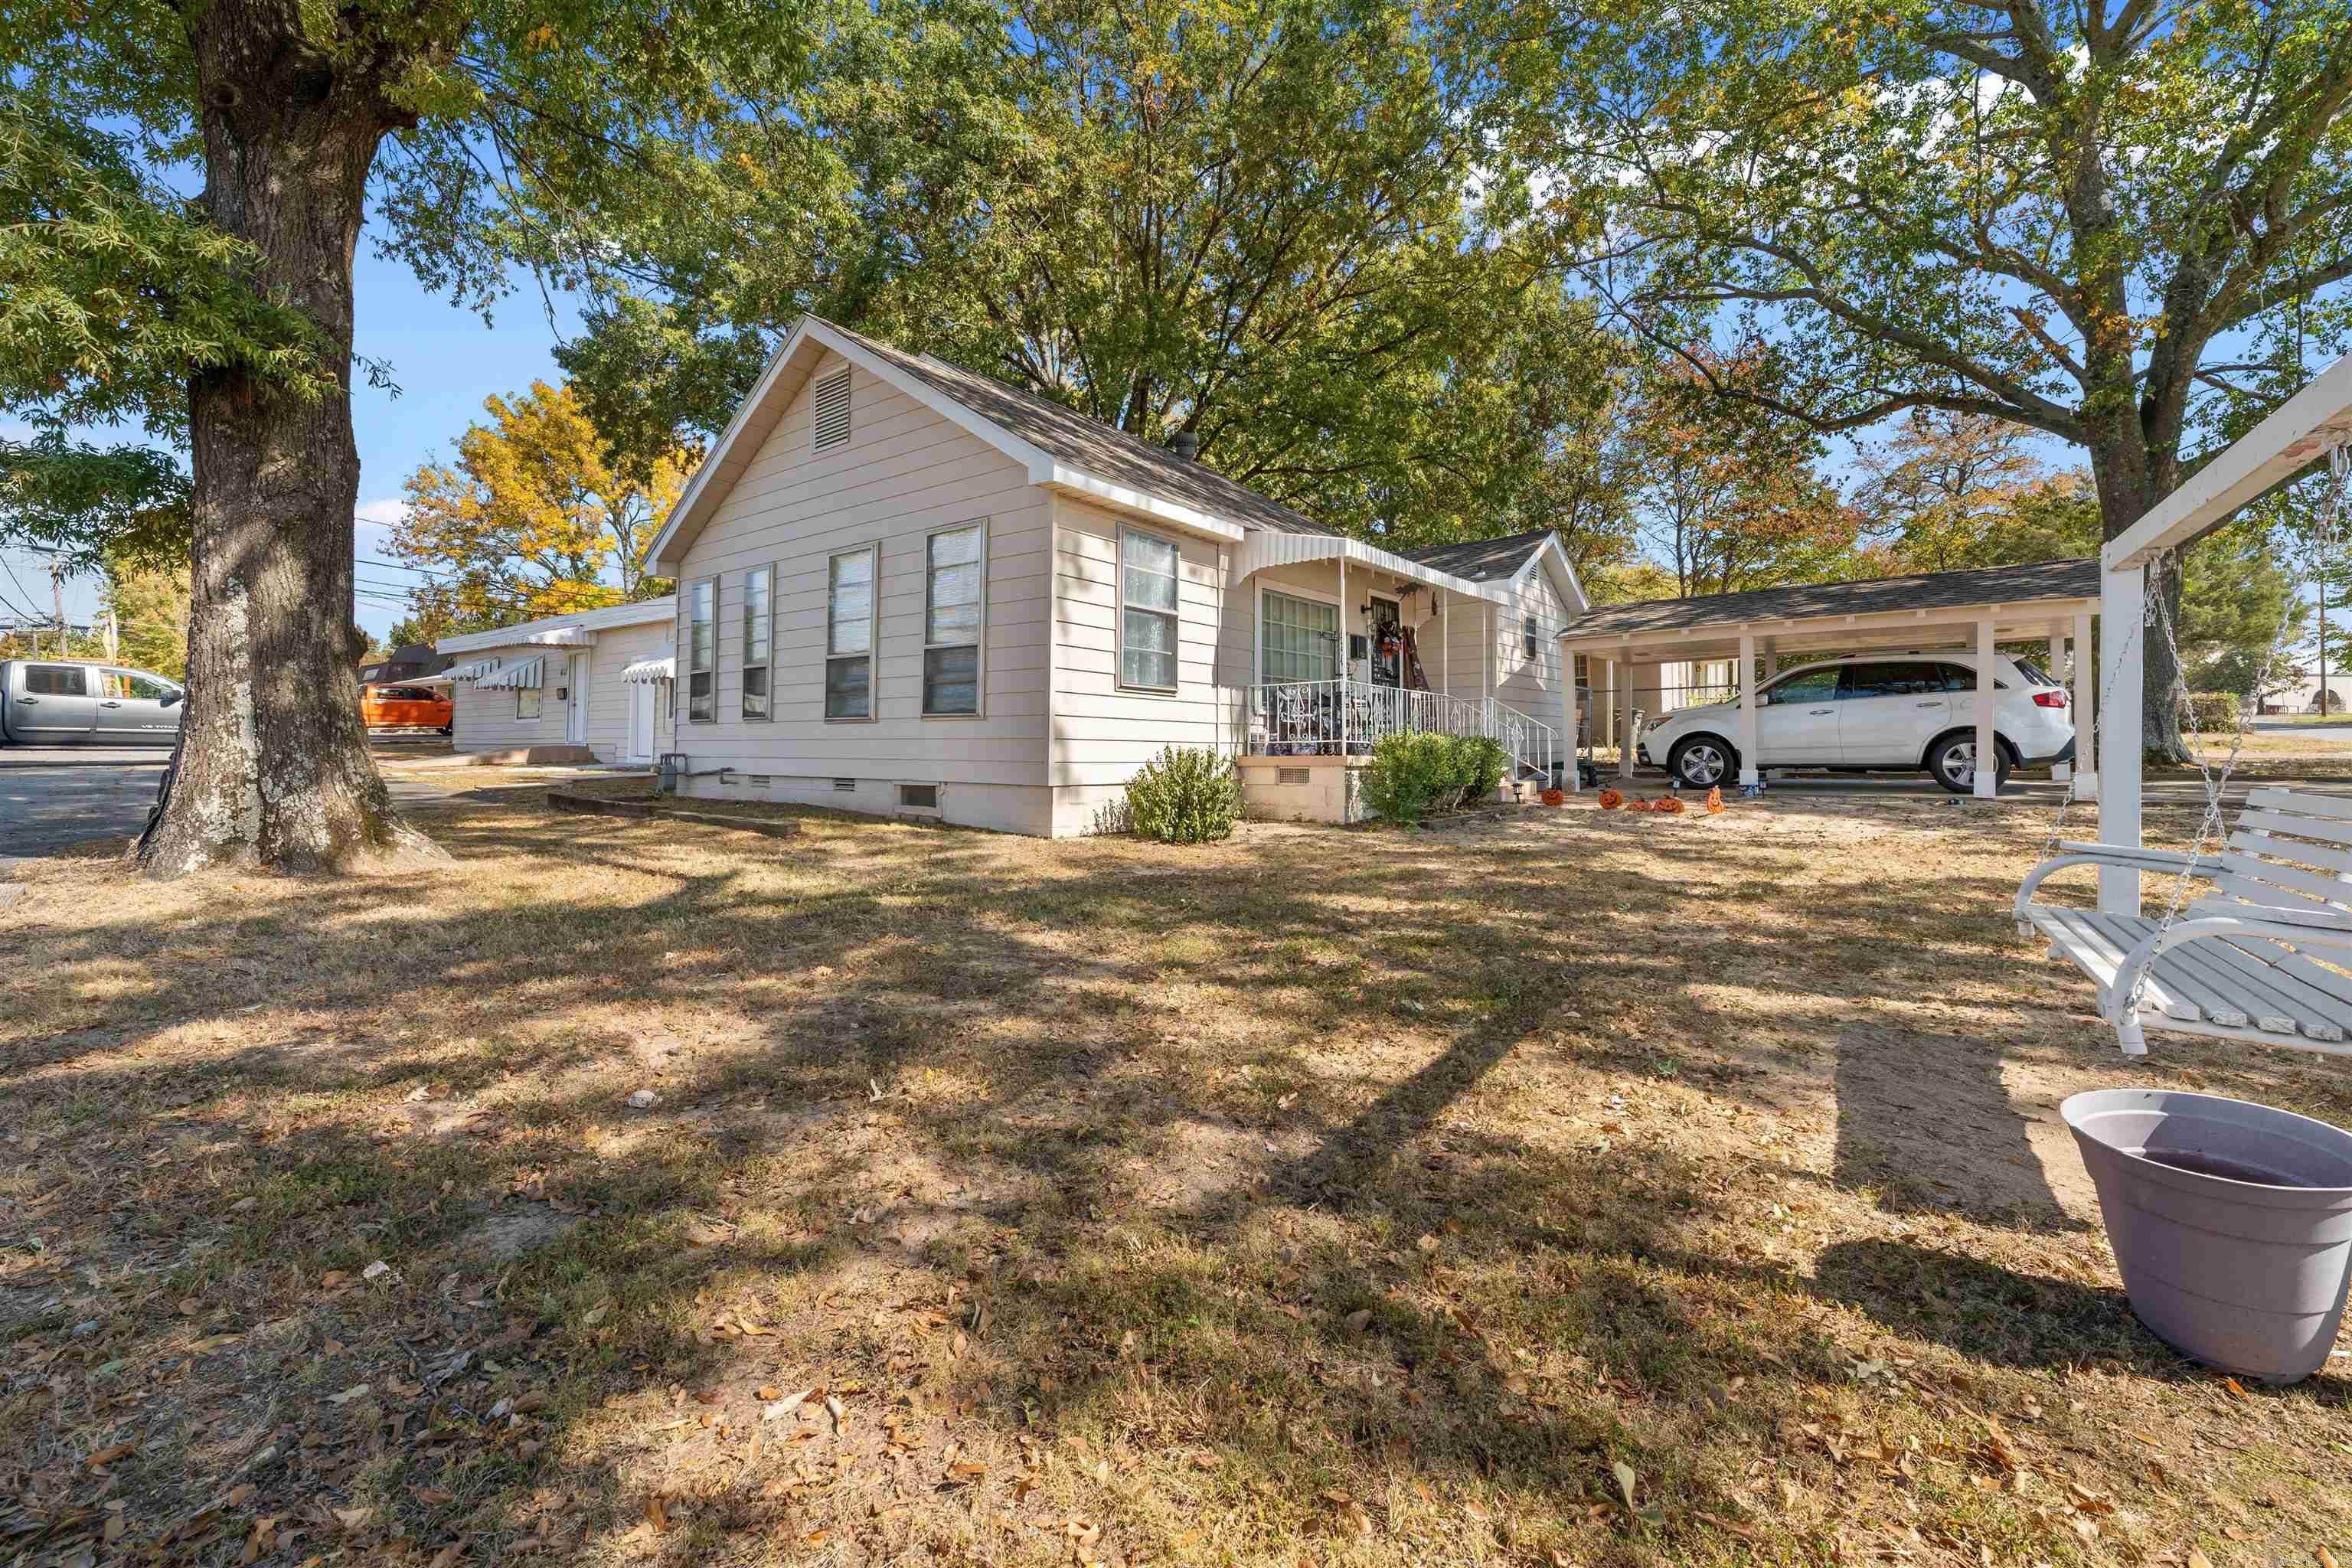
(2299, 431)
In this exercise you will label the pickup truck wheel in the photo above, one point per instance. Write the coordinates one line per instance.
(1700, 762)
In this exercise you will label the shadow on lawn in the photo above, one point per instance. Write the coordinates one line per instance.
(1155, 1251)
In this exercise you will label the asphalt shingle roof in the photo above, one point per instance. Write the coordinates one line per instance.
(1481, 560)
(1091, 444)
(2069, 579)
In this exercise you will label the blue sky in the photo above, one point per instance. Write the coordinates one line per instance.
(445, 361)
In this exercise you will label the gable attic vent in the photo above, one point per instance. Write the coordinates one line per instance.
(829, 412)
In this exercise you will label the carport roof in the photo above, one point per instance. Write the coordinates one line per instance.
(1866, 610)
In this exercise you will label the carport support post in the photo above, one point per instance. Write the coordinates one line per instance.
(2086, 686)
(2060, 772)
(2123, 609)
(1624, 679)
(1748, 684)
(1567, 718)
(1987, 758)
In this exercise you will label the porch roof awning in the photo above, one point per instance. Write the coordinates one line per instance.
(663, 668)
(527, 676)
(1266, 548)
(1930, 608)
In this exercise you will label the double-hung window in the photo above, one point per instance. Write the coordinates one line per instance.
(849, 634)
(759, 638)
(702, 652)
(1299, 639)
(954, 615)
(1528, 637)
(1148, 573)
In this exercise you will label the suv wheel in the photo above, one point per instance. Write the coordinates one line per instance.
(1700, 762)
(1953, 762)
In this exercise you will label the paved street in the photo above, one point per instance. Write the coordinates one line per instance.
(54, 796)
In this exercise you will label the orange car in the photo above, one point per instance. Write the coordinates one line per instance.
(407, 708)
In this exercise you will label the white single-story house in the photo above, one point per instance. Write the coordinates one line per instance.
(595, 679)
(904, 587)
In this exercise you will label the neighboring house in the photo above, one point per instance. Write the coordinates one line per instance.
(599, 678)
(409, 661)
(2302, 695)
(903, 587)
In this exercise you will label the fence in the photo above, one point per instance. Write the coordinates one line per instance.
(1336, 718)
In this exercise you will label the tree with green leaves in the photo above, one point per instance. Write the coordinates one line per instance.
(226, 318)
(2124, 224)
(1292, 228)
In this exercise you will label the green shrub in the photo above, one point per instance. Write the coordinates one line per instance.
(2212, 710)
(1185, 795)
(1413, 774)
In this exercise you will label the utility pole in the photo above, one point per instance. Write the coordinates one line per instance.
(113, 637)
(57, 601)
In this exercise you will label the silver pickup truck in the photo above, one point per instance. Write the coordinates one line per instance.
(48, 703)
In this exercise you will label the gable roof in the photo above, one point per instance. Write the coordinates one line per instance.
(1484, 560)
(2068, 579)
(1086, 442)
(1062, 447)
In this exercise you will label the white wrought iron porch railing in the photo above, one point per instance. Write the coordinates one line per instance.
(1349, 717)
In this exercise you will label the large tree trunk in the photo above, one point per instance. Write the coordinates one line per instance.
(2132, 479)
(275, 770)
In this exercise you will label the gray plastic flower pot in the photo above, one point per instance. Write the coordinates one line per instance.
(2231, 1223)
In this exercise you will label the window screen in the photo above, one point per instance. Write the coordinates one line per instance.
(702, 653)
(849, 636)
(759, 636)
(1147, 621)
(952, 614)
(1300, 639)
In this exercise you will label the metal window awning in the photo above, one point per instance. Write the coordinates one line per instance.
(1268, 547)
(527, 676)
(650, 670)
(455, 673)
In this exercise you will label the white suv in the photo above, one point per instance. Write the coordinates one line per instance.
(1874, 710)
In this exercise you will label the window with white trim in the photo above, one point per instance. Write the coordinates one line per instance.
(849, 634)
(527, 701)
(1528, 637)
(955, 568)
(702, 653)
(829, 412)
(759, 638)
(1299, 639)
(1148, 570)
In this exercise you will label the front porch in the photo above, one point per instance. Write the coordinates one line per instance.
(1308, 741)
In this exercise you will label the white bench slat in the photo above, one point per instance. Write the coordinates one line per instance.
(2314, 1011)
(2300, 827)
(2249, 987)
(2274, 848)
(2239, 871)
(2215, 1000)
(2312, 915)
(2333, 1005)
(2337, 806)
(2096, 954)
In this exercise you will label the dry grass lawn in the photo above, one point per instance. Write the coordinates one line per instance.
(1578, 1189)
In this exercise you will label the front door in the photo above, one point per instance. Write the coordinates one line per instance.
(136, 708)
(1388, 642)
(644, 703)
(53, 704)
(576, 711)
(1796, 720)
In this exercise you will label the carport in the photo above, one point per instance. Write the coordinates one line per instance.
(1964, 614)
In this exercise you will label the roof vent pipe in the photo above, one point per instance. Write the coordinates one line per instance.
(1186, 446)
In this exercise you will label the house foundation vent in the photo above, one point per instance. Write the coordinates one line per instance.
(1294, 776)
(844, 786)
(919, 797)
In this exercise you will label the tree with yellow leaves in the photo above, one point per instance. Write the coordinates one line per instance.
(531, 520)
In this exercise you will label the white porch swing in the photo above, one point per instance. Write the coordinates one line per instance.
(2265, 954)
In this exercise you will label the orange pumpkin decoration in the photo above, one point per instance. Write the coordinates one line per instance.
(1554, 797)
(1672, 805)
(1610, 800)
(1714, 800)
(1637, 803)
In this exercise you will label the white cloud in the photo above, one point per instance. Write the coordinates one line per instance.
(383, 512)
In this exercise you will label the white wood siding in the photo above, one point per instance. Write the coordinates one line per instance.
(903, 472)
(485, 721)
